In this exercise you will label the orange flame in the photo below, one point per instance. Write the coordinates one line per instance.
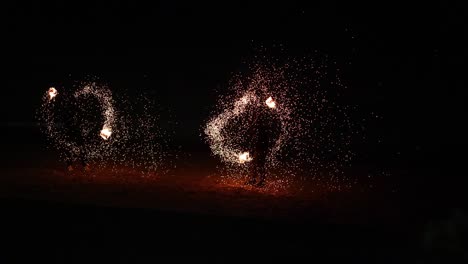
(52, 93)
(106, 132)
(244, 157)
(270, 102)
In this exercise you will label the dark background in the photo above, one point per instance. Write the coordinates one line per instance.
(403, 62)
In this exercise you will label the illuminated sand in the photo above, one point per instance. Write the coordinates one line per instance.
(192, 190)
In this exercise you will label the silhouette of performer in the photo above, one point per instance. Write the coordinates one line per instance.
(81, 123)
(264, 132)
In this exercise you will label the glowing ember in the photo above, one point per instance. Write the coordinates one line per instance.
(52, 93)
(104, 97)
(106, 133)
(244, 157)
(270, 102)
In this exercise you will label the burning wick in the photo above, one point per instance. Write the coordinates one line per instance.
(244, 157)
(106, 132)
(52, 93)
(270, 102)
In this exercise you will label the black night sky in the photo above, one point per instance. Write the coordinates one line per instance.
(404, 62)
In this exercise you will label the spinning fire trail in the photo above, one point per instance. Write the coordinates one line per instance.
(221, 144)
(315, 131)
(104, 97)
(128, 136)
(55, 114)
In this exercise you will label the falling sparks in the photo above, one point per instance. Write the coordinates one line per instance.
(68, 124)
(104, 96)
(88, 114)
(315, 128)
(214, 129)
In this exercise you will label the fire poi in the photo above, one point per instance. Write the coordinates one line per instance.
(313, 125)
(130, 136)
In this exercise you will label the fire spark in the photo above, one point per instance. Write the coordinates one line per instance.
(106, 132)
(244, 157)
(52, 93)
(270, 102)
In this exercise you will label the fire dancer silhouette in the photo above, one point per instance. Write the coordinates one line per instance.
(264, 131)
(81, 125)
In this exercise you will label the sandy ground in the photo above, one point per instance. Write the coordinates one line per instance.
(193, 211)
(198, 189)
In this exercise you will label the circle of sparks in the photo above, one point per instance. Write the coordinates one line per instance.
(316, 130)
(56, 134)
(221, 142)
(128, 137)
(104, 96)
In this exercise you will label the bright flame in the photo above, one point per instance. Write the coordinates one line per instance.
(106, 132)
(244, 157)
(270, 102)
(52, 93)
